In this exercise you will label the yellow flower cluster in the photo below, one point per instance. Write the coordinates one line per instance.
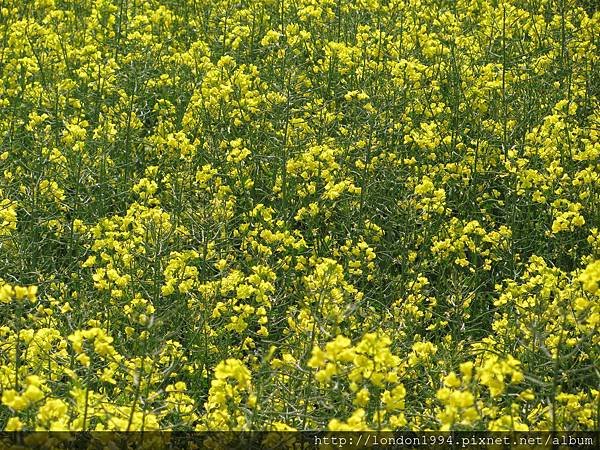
(372, 374)
(230, 398)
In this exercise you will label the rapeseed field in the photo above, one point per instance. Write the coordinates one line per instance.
(299, 215)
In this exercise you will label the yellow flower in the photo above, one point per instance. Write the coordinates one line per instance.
(590, 277)
(13, 424)
(451, 380)
(362, 397)
(14, 401)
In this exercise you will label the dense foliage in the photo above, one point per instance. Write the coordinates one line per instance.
(299, 214)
